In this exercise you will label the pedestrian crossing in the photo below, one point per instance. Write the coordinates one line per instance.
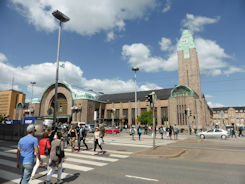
(74, 162)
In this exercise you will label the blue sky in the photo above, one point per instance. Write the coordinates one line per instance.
(105, 38)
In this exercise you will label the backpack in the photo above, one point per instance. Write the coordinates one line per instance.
(140, 131)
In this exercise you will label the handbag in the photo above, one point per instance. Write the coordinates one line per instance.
(100, 141)
(46, 150)
(59, 152)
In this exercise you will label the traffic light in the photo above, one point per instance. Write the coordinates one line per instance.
(190, 113)
(148, 98)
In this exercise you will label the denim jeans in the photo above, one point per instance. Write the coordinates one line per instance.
(26, 172)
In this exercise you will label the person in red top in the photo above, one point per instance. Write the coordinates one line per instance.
(44, 142)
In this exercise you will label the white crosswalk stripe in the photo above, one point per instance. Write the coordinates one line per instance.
(83, 161)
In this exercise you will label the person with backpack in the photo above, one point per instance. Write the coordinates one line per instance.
(139, 132)
(44, 149)
(83, 134)
(56, 158)
(161, 131)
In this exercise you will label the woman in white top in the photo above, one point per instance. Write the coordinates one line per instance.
(96, 139)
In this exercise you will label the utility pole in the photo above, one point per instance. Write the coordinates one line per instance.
(151, 99)
(154, 123)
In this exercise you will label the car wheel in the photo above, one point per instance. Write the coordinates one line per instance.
(202, 136)
(223, 137)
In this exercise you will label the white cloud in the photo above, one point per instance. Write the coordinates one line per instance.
(212, 57)
(110, 36)
(166, 44)
(86, 17)
(233, 69)
(213, 105)
(167, 6)
(3, 57)
(44, 74)
(7, 86)
(196, 23)
(139, 55)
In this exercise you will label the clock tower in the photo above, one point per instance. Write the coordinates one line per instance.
(188, 66)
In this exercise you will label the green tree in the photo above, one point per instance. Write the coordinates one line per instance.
(146, 118)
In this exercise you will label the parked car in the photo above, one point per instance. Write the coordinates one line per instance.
(214, 133)
(111, 130)
(90, 128)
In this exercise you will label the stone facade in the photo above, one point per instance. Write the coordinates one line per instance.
(224, 116)
(8, 102)
(76, 105)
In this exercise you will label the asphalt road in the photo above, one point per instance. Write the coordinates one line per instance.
(206, 162)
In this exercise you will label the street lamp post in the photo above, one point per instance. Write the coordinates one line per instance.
(135, 69)
(62, 18)
(32, 83)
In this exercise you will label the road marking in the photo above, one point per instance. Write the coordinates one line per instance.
(15, 178)
(138, 177)
(91, 157)
(94, 153)
(8, 163)
(7, 154)
(125, 144)
(118, 156)
(81, 161)
(63, 175)
(119, 152)
(76, 167)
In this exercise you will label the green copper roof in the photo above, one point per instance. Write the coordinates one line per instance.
(36, 100)
(185, 43)
(78, 93)
(181, 90)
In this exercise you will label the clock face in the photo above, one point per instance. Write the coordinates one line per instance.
(184, 40)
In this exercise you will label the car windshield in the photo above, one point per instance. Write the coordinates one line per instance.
(217, 130)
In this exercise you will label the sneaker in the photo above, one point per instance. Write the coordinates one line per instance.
(59, 181)
(78, 151)
(86, 149)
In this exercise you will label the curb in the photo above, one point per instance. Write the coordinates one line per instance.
(136, 154)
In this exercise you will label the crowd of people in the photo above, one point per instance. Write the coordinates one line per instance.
(167, 131)
(49, 150)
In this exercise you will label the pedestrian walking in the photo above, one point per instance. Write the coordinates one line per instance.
(82, 137)
(233, 131)
(175, 131)
(240, 131)
(97, 139)
(102, 131)
(146, 129)
(161, 131)
(25, 154)
(56, 158)
(132, 132)
(44, 149)
(139, 132)
(170, 131)
(66, 137)
(73, 136)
